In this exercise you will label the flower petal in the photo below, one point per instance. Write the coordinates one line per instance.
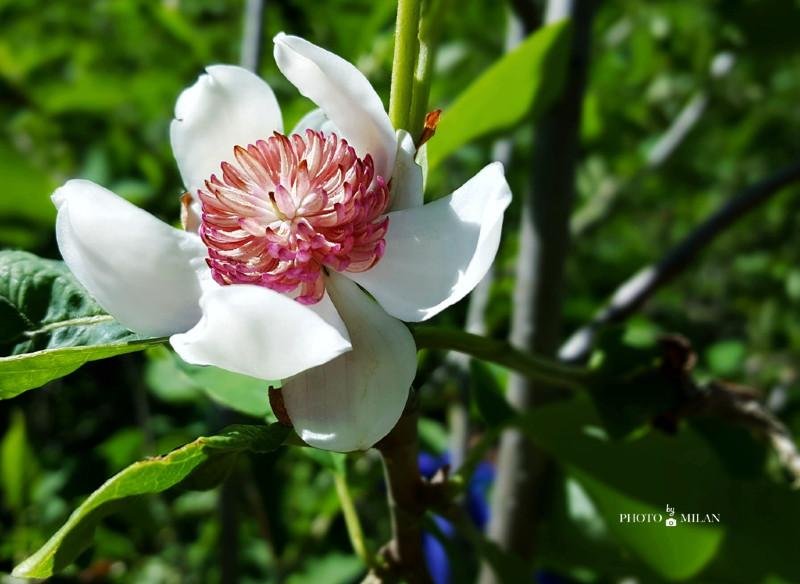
(262, 333)
(226, 107)
(344, 94)
(139, 269)
(436, 254)
(407, 190)
(318, 121)
(355, 400)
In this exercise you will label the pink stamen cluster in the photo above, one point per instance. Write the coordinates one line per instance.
(288, 207)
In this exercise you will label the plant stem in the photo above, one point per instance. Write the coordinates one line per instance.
(406, 48)
(351, 520)
(533, 367)
(430, 25)
(404, 484)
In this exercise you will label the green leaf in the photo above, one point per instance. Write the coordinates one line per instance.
(642, 476)
(683, 471)
(522, 83)
(332, 569)
(238, 392)
(726, 358)
(488, 395)
(26, 188)
(175, 381)
(200, 459)
(17, 463)
(50, 324)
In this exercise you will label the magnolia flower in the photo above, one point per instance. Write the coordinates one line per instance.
(284, 234)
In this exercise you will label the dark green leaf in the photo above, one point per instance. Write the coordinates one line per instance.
(523, 82)
(50, 326)
(204, 458)
(628, 390)
(489, 397)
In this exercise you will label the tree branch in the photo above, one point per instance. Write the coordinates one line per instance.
(400, 450)
(629, 297)
(741, 407)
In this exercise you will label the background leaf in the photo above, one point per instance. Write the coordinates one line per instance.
(50, 324)
(523, 82)
(488, 394)
(153, 475)
(683, 471)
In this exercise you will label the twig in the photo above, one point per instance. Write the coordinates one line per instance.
(250, 52)
(638, 289)
(529, 365)
(741, 407)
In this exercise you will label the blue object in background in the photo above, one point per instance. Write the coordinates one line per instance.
(476, 503)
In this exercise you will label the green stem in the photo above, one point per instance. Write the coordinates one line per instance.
(351, 518)
(533, 367)
(406, 47)
(429, 28)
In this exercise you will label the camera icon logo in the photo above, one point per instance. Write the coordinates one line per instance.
(671, 522)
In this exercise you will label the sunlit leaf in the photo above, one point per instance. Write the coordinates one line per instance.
(522, 83)
(203, 458)
(49, 325)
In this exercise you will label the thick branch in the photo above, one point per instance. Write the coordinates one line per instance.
(404, 490)
(637, 290)
(536, 321)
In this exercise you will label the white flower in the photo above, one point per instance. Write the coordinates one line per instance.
(285, 233)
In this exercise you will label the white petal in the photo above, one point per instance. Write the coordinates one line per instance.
(316, 120)
(356, 399)
(139, 269)
(436, 254)
(226, 107)
(407, 190)
(344, 94)
(262, 333)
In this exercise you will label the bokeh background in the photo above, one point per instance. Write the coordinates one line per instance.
(686, 103)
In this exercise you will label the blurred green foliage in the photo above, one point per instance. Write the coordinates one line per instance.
(87, 89)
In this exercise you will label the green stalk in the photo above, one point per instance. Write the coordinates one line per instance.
(534, 367)
(351, 519)
(406, 48)
(429, 28)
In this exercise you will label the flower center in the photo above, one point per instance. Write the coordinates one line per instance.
(290, 206)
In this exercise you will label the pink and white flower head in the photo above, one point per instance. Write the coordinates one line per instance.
(284, 234)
